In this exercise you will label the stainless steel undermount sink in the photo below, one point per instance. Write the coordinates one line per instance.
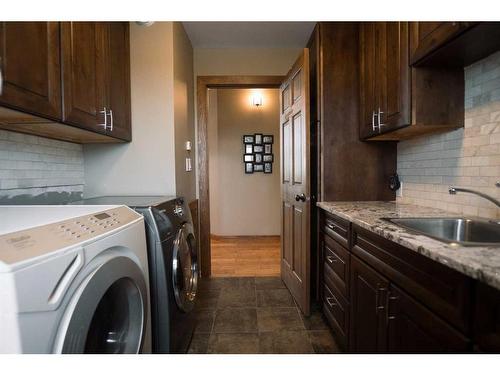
(462, 231)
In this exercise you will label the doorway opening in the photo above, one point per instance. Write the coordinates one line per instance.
(244, 181)
(239, 225)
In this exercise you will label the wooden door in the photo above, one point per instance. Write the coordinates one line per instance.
(31, 69)
(84, 70)
(412, 328)
(295, 186)
(118, 80)
(368, 320)
(368, 106)
(392, 75)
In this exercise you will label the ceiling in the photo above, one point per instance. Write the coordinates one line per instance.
(249, 34)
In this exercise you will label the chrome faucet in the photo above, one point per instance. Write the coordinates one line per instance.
(454, 190)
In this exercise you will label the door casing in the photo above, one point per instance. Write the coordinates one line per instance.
(203, 84)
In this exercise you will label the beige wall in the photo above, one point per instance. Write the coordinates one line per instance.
(244, 204)
(244, 61)
(162, 120)
(468, 157)
(184, 113)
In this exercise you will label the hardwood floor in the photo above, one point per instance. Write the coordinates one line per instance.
(245, 256)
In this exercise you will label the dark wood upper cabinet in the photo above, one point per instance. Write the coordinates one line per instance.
(426, 37)
(68, 80)
(118, 80)
(452, 44)
(84, 73)
(31, 69)
(368, 333)
(385, 75)
(397, 101)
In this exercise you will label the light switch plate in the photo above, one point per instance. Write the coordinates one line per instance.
(399, 192)
(189, 167)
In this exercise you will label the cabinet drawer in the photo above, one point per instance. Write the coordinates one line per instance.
(336, 311)
(444, 290)
(336, 265)
(336, 227)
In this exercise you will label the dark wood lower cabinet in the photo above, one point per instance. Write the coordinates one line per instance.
(412, 328)
(368, 328)
(487, 319)
(379, 297)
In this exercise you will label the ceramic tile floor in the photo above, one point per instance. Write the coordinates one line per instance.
(251, 315)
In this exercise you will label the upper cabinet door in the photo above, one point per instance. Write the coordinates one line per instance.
(368, 105)
(392, 76)
(83, 60)
(426, 37)
(118, 80)
(30, 65)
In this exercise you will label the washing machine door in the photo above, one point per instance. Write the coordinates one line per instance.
(185, 268)
(107, 313)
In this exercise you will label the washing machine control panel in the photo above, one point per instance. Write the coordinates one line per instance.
(33, 242)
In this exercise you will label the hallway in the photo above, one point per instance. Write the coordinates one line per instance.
(245, 256)
(244, 315)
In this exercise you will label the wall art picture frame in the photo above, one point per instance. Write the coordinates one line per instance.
(248, 139)
(258, 153)
(268, 167)
(268, 139)
(249, 168)
(258, 167)
(268, 158)
(258, 149)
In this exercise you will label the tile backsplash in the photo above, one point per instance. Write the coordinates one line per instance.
(467, 157)
(35, 170)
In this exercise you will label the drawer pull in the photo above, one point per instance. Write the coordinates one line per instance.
(330, 225)
(331, 259)
(330, 303)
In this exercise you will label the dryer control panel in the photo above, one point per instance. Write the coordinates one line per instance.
(34, 242)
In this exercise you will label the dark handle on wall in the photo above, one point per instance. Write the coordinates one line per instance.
(300, 197)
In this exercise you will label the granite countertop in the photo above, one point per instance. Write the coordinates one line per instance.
(479, 262)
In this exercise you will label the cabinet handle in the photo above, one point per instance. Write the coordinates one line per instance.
(377, 298)
(374, 126)
(105, 125)
(388, 301)
(111, 118)
(331, 259)
(330, 303)
(332, 225)
(380, 124)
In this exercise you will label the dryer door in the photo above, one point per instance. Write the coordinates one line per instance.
(185, 268)
(108, 311)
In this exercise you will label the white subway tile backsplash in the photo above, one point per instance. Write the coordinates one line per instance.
(33, 166)
(468, 157)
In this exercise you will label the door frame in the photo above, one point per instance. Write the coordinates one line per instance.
(203, 84)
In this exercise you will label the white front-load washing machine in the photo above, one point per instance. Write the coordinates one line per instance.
(73, 279)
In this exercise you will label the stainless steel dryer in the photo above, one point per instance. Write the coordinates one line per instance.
(173, 267)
